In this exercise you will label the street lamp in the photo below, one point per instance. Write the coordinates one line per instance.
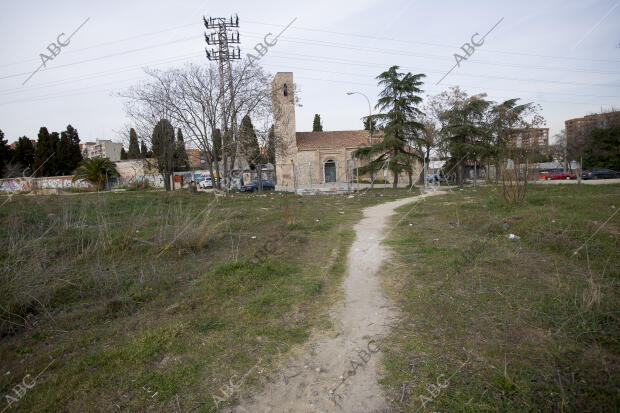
(369, 112)
(372, 175)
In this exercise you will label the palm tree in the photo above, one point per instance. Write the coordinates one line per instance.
(399, 99)
(95, 170)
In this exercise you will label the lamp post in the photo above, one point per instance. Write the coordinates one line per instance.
(369, 112)
(372, 179)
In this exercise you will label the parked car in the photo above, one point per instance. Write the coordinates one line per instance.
(206, 183)
(562, 175)
(253, 186)
(599, 173)
(435, 178)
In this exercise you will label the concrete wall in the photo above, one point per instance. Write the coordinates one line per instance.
(35, 184)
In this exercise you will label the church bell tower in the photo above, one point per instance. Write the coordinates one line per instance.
(283, 98)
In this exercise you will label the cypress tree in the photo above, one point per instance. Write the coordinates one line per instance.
(24, 153)
(144, 152)
(249, 142)
(123, 154)
(63, 155)
(44, 162)
(271, 146)
(75, 153)
(182, 162)
(316, 124)
(134, 149)
(164, 149)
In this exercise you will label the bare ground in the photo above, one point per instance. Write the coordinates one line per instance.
(338, 371)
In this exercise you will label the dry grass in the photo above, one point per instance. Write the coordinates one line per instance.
(148, 301)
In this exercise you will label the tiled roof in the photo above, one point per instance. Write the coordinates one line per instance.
(335, 139)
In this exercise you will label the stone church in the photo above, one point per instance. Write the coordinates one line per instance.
(310, 157)
(313, 159)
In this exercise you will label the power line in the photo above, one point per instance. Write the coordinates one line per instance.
(428, 91)
(438, 57)
(326, 44)
(365, 63)
(453, 47)
(311, 58)
(104, 57)
(72, 51)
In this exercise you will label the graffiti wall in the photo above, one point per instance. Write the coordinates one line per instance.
(34, 184)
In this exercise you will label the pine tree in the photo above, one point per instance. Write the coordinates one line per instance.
(123, 154)
(24, 153)
(134, 149)
(316, 124)
(182, 163)
(45, 151)
(144, 152)
(249, 142)
(399, 99)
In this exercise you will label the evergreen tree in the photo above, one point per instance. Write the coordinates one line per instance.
(399, 99)
(64, 165)
(75, 153)
(467, 133)
(44, 162)
(134, 148)
(182, 163)
(271, 146)
(144, 152)
(604, 149)
(4, 153)
(249, 142)
(316, 124)
(164, 149)
(217, 145)
(370, 122)
(123, 154)
(24, 153)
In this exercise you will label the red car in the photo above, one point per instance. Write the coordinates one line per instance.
(562, 176)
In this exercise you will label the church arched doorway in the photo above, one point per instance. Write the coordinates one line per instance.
(330, 171)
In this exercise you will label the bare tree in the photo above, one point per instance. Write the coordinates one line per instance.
(192, 98)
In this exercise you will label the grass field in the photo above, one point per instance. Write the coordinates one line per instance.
(493, 324)
(154, 301)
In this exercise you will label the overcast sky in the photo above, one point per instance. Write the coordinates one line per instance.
(563, 55)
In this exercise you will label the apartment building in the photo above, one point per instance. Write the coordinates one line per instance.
(578, 130)
(532, 138)
(104, 148)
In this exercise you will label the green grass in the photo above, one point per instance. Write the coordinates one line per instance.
(154, 301)
(492, 324)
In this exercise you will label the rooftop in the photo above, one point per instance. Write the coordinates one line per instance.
(335, 139)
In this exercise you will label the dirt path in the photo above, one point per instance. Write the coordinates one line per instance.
(338, 373)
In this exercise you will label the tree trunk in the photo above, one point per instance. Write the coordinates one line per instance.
(395, 184)
(166, 176)
(260, 178)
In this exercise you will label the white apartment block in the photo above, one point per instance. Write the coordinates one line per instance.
(104, 148)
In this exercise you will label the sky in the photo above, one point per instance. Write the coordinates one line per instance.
(563, 55)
